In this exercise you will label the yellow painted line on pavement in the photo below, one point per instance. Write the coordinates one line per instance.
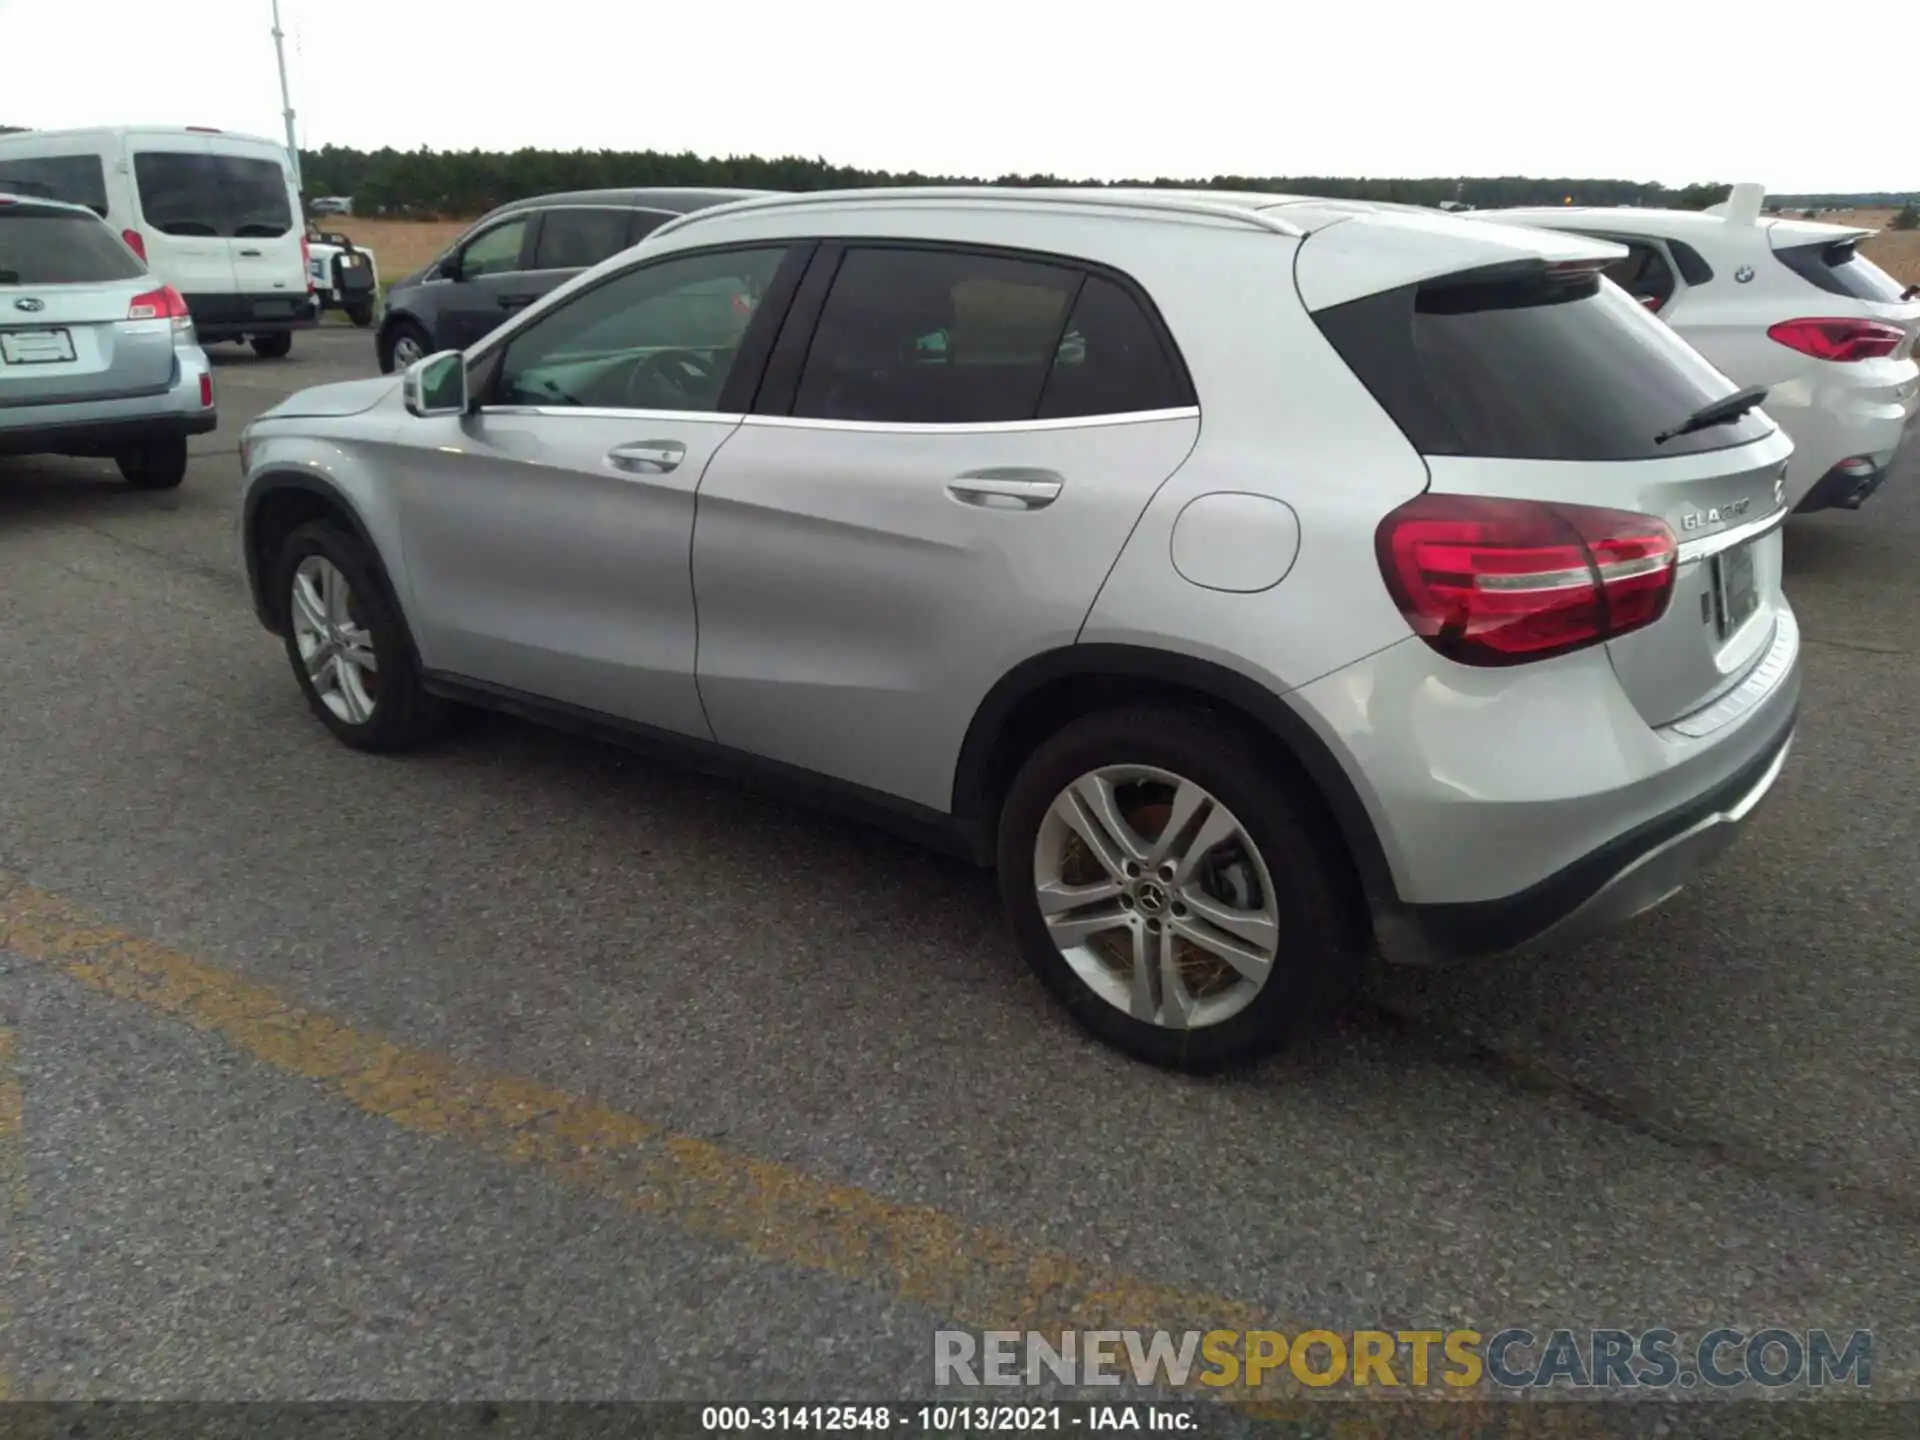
(12, 1167)
(961, 1272)
(773, 1211)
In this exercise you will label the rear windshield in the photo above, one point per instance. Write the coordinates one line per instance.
(1523, 364)
(76, 179)
(1841, 270)
(55, 247)
(187, 193)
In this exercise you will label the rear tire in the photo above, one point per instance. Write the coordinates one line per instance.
(1245, 852)
(360, 315)
(383, 707)
(161, 465)
(273, 347)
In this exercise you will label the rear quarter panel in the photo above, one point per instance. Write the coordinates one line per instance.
(1281, 417)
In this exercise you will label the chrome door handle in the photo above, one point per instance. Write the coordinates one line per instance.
(1005, 491)
(648, 457)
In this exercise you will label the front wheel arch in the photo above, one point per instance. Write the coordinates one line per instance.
(277, 505)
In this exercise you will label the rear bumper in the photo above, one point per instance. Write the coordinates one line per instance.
(102, 427)
(1852, 482)
(1513, 805)
(105, 437)
(1608, 887)
(234, 317)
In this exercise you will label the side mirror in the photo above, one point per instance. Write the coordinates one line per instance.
(448, 267)
(436, 385)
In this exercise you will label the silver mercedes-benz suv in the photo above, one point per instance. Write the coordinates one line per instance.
(1253, 581)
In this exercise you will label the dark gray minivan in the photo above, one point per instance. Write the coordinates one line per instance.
(515, 254)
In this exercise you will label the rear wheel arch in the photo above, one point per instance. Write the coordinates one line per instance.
(1048, 691)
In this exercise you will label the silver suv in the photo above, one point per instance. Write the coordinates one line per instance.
(1253, 582)
(97, 356)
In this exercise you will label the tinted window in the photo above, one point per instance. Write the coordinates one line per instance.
(1111, 361)
(76, 179)
(1530, 367)
(495, 252)
(643, 223)
(662, 337)
(576, 239)
(1644, 273)
(1693, 265)
(1841, 270)
(935, 337)
(44, 247)
(189, 193)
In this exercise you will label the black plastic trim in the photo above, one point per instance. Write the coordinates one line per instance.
(917, 823)
(1489, 927)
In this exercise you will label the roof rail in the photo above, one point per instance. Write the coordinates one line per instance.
(1177, 202)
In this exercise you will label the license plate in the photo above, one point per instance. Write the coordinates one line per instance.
(272, 309)
(36, 347)
(1736, 593)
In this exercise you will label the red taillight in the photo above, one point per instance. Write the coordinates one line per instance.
(306, 261)
(206, 391)
(136, 242)
(1502, 582)
(1839, 339)
(162, 304)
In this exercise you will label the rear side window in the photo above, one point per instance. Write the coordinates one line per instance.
(52, 247)
(1530, 364)
(1644, 274)
(941, 337)
(574, 239)
(1841, 270)
(76, 179)
(227, 196)
(1112, 360)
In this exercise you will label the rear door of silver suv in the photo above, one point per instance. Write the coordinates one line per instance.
(950, 449)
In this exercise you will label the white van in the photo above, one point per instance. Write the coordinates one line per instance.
(216, 216)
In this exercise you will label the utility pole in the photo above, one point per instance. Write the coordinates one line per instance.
(286, 101)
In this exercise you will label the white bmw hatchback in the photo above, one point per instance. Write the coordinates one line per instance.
(1787, 304)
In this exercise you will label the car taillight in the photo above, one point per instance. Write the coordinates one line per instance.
(136, 242)
(162, 304)
(306, 261)
(1502, 582)
(1839, 339)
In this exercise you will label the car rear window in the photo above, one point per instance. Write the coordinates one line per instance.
(58, 247)
(1530, 363)
(1841, 270)
(229, 196)
(76, 179)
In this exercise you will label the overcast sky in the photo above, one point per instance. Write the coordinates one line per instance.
(1188, 88)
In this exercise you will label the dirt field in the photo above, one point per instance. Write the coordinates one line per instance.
(1895, 251)
(400, 246)
(403, 246)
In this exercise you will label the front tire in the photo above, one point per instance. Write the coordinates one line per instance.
(348, 644)
(405, 343)
(161, 465)
(276, 346)
(1166, 886)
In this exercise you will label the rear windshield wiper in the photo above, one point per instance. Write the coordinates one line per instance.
(1719, 412)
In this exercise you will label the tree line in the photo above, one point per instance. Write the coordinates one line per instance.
(458, 184)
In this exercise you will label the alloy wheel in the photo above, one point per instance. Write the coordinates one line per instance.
(335, 645)
(1156, 896)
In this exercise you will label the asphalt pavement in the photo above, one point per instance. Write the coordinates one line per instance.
(526, 1067)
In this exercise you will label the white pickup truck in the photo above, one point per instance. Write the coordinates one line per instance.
(345, 275)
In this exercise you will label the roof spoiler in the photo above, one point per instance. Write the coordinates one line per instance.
(1742, 205)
